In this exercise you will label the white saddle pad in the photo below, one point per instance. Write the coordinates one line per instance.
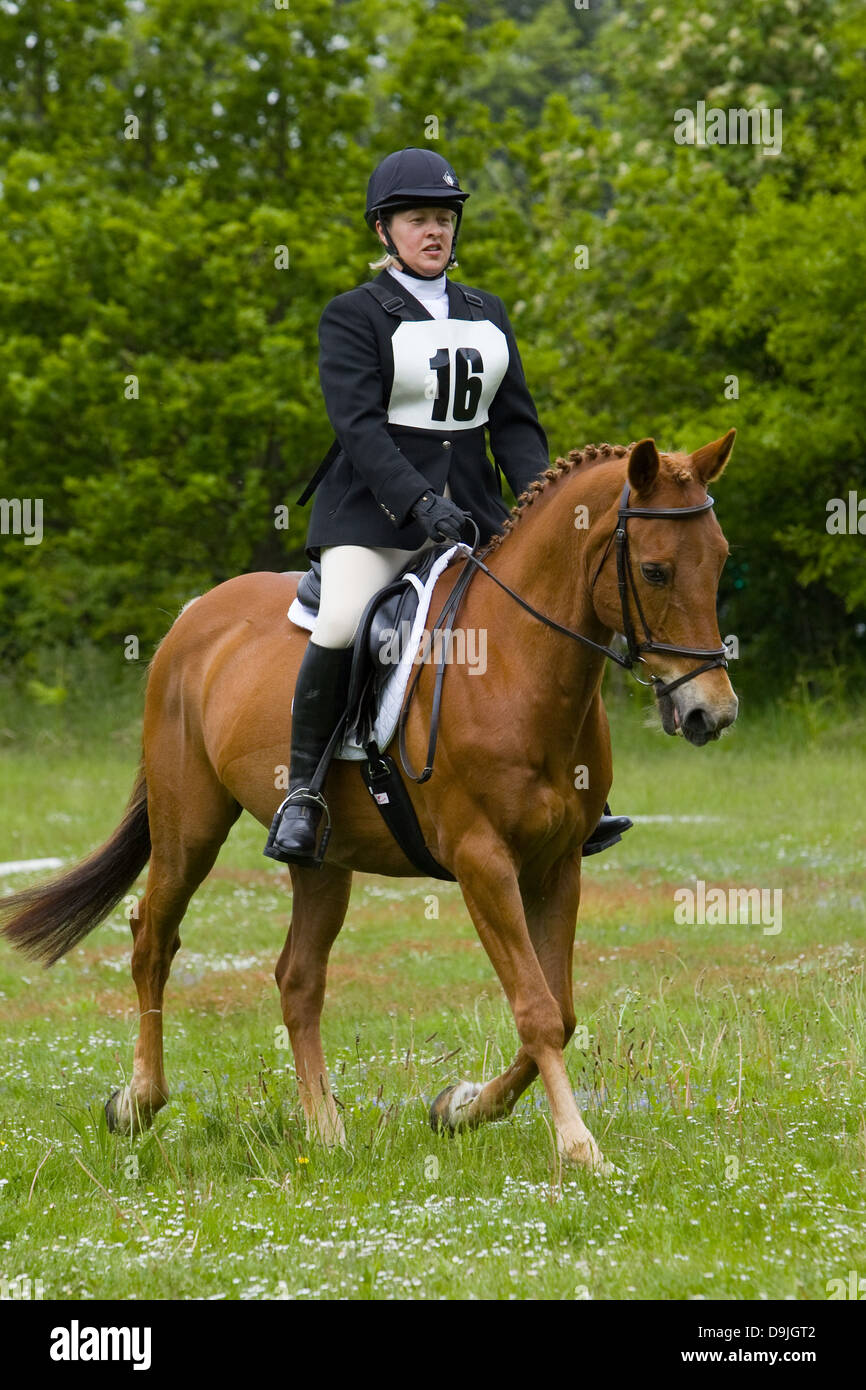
(395, 685)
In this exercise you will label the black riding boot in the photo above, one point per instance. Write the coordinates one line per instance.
(320, 699)
(609, 831)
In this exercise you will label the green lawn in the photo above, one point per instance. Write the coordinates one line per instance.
(722, 1067)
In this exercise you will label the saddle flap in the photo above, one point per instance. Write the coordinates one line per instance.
(379, 647)
(310, 587)
(381, 639)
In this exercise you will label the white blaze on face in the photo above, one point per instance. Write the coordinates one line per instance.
(446, 373)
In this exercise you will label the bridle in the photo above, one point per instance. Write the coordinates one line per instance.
(633, 656)
(715, 656)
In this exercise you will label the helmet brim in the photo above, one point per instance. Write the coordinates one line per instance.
(402, 199)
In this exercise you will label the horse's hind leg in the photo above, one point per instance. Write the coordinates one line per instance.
(186, 832)
(319, 901)
(551, 914)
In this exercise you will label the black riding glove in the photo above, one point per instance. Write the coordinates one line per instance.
(441, 518)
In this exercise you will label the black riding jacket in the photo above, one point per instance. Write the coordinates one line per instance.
(409, 402)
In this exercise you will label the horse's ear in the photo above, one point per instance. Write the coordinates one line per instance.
(710, 461)
(643, 466)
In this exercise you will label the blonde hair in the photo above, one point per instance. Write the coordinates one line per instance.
(385, 262)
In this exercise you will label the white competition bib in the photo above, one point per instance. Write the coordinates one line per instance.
(446, 373)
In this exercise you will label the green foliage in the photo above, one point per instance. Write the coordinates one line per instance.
(158, 381)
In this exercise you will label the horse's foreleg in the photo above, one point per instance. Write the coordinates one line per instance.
(551, 913)
(490, 888)
(320, 898)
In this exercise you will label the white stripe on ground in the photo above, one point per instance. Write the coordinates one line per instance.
(670, 820)
(23, 866)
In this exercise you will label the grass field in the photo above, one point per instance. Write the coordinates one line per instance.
(722, 1066)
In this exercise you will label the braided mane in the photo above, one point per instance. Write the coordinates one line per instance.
(675, 467)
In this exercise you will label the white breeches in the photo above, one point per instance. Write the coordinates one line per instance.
(351, 575)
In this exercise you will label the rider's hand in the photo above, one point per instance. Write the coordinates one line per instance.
(441, 518)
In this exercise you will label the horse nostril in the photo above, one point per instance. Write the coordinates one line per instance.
(697, 726)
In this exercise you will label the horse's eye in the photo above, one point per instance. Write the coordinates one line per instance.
(655, 574)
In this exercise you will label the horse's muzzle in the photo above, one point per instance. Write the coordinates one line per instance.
(698, 720)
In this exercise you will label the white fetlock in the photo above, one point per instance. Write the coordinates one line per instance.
(449, 1109)
(121, 1117)
(126, 1115)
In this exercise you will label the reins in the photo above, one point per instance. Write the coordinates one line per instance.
(715, 656)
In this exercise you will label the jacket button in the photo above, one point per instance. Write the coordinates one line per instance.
(446, 443)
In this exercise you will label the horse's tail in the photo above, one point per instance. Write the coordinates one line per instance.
(47, 921)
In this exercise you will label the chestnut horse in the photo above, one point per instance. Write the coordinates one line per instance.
(501, 812)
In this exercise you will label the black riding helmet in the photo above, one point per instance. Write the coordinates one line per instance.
(412, 178)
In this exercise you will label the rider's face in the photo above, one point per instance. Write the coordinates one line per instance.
(423, 237)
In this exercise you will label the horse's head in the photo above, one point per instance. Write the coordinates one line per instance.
(670, 571)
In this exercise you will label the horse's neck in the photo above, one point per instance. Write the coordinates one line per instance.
(545, 559)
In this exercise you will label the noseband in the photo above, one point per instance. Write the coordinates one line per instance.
(715, 656)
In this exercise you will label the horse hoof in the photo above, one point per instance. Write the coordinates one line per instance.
(590, 1157)
(123, 1115)
(111, 1118)
(445, 1112)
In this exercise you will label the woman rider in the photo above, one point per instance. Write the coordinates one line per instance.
(411, 373)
